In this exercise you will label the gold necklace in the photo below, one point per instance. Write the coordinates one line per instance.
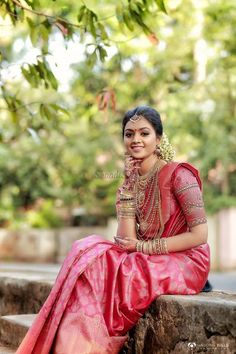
(147, 203)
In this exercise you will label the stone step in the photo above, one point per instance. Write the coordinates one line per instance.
(24, 287)
(13, 329)
(6, 350)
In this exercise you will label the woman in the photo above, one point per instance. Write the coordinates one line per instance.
(104, 287)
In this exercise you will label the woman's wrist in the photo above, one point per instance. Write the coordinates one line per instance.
(156, 246)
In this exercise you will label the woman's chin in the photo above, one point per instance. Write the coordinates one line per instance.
(137, 155)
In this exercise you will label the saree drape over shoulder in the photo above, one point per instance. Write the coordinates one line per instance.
(102, 290)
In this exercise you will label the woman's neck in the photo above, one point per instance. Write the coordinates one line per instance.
(147, 164)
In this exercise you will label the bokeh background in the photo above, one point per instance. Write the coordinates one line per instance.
(70, 70)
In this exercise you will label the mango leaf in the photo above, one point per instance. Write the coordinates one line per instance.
(52, 79)
(133, 7)
(28, 76)
(119, 12)
(102, 53)
(45, 111)
(81, 13)
(128, 20)
(60, 110)
(92, 28)
(161, 5)
(92, 58)
(102, 31)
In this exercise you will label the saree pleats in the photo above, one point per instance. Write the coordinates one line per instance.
(102, 291)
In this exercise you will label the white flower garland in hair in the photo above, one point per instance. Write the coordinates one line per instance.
(167, 151)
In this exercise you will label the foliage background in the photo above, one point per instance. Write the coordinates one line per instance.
(70, 70)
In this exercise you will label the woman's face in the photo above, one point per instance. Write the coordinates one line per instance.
(140, 138)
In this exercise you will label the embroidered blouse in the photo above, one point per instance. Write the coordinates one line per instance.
(187, 193)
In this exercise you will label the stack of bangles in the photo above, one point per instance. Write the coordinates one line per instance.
(127, 205)
(156, 246)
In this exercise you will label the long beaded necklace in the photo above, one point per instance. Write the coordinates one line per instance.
(147, 204)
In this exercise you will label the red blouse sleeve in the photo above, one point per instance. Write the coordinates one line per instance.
(188, 193)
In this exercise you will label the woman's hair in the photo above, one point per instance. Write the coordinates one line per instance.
(152, 116)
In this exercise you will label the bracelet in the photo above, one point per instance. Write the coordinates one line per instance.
(126, 195)
(156, 246)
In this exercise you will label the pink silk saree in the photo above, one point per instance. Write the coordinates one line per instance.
(102, 290)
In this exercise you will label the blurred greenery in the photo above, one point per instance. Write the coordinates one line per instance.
(69, 71)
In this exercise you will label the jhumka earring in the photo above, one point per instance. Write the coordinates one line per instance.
(158, 152)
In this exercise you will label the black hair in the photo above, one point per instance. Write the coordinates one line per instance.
(152, 116)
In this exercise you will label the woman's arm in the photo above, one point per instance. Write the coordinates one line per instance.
(126, 207)
(195, 237)
(189, 195)
(127, 228)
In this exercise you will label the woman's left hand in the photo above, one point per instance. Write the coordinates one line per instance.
(129, 244)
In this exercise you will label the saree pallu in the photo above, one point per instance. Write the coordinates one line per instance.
(102, 290)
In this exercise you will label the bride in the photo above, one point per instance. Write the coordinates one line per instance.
(104, 287)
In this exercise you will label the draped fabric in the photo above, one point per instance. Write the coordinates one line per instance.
(102, 290)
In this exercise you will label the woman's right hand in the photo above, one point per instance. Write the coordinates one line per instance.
(132, 166)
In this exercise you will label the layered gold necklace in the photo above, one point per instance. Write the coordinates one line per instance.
(148, 204)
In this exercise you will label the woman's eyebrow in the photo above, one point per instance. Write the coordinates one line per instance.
(137, 129)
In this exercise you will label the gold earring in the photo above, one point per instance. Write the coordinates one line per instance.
(158, 152)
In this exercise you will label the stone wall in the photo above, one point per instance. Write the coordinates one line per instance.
(177, 324)
(34, 245)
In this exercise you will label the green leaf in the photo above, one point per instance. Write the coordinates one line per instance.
(102, 53)
(103, 33)
(52, 79)
(27, 76)
(30, 22)
(119, 12)
(128, 20)
(44, 32)
(45, 112)
(161, 5)
(134, 7)
(91, 24)
(81, 13)
(92, 58)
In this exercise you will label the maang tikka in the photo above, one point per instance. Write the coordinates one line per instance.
(135, 118)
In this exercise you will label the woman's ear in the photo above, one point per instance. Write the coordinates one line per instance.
(158, 140)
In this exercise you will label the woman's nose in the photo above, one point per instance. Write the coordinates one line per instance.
(136, 138)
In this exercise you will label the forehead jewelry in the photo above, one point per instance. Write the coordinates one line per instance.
(135, 118)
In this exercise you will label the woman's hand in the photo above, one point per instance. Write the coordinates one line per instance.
(132, 166)
(128, 244)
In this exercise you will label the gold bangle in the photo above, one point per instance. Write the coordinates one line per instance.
(164, 246)
(138, 245)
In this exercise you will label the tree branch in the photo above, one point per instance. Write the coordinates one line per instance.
(39, 13)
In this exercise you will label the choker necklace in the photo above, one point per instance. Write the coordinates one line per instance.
(150, 172)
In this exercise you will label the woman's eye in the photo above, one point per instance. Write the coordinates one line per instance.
(145, 133)
(128, 135)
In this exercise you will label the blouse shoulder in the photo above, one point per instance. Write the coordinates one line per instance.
(187, 191)
(183, 179)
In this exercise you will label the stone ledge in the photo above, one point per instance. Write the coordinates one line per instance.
(6, 350)
(178, 324)
(19, 296)
(14, 328)
(174, 324)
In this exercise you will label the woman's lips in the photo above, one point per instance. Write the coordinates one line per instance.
(137, 148)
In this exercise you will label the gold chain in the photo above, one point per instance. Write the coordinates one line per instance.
(147, 204)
